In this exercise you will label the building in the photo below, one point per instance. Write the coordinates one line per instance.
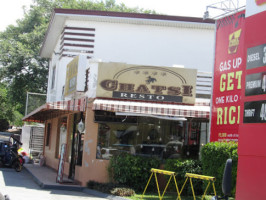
(138, 83)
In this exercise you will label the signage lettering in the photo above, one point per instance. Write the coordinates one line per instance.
(235, 63)
(114, 85)
(147, 97)
(228, 115)
(226, 81)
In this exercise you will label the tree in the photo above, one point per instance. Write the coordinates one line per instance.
(22, 69)
(8, 113)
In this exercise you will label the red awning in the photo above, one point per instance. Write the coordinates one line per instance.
(54, 109)
(201, 109)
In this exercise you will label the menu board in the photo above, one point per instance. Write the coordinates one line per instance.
(256, 56)
(255, 84)
(255, 112)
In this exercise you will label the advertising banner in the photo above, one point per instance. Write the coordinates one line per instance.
(146, 83)
(227, 79)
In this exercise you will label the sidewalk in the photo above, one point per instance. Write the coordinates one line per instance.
(45, 177)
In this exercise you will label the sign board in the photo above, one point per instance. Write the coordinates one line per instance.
(255, 84)
(228, 77)
(75, 75)
(256, 56)
(255, 112)
(146, 83)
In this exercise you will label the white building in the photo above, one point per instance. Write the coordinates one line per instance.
(151, 48)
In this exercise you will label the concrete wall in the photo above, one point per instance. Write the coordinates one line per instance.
(92, 168)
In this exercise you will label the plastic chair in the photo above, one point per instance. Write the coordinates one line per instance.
(227, 181)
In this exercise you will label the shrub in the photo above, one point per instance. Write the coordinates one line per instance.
(181, 168)
(132, 171)
(123, 192)
(214, 156)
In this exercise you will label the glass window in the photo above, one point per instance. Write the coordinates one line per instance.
(151, 137)
(53, 78)
(48, 133)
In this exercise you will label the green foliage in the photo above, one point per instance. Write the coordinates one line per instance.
(4, 124)
(181, 168)
(214, 156)
(132, 171)
(8, 113)
(22, 69)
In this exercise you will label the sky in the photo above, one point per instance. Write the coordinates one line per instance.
(11, 10)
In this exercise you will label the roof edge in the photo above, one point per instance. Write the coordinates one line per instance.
(132, 15)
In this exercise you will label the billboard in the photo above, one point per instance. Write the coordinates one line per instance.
(146, 83)
(227, 79)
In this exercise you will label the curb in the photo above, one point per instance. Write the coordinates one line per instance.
(73, 188)
(56, 187)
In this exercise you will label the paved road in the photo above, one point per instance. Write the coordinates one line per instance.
(20, 186)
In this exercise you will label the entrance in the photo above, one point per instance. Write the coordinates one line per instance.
(76, 146)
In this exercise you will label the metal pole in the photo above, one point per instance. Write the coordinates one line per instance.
(26, 109)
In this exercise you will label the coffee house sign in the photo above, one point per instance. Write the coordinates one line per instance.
(147, 83)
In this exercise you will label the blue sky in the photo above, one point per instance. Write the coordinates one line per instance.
(11, 10)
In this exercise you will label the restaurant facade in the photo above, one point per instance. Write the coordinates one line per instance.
(152, 101)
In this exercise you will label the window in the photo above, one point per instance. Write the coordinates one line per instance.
(53, 77)
(48, 133)
(150, 137)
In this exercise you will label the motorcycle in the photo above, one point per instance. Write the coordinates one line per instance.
(9, 156)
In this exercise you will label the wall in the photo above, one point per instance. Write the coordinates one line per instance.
(92, 168)
(152, 45)
(49, 151)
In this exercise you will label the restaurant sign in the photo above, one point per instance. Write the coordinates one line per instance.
(146, 83)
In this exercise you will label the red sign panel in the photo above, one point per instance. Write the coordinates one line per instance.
(227, 80)
(251, 148)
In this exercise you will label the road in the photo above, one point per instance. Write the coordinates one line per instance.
(20, 186)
